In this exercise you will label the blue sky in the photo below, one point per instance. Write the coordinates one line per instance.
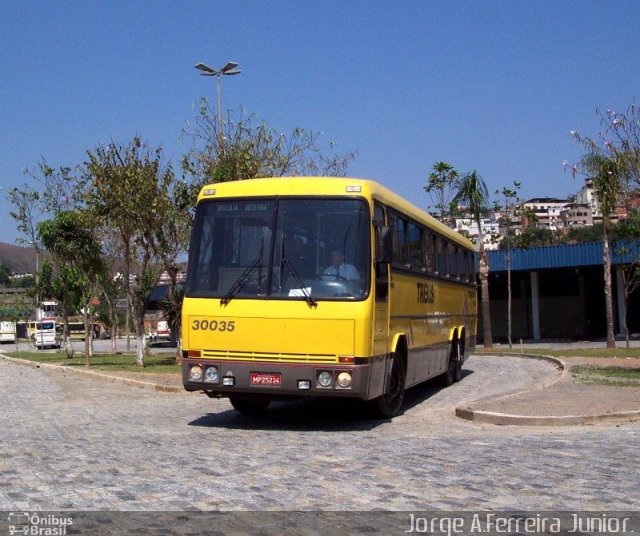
(493, 86)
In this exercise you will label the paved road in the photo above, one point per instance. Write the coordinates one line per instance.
(74, 442)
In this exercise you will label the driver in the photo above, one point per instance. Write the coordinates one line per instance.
(339, 269)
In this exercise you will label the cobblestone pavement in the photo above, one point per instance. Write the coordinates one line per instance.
(75, 442)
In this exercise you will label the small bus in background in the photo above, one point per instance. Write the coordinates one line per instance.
(76, 331)
(156, 329)
(163, 333)
(7, 331)
(47, 334)
(46, 310)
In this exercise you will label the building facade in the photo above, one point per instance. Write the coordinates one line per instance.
(558, 292)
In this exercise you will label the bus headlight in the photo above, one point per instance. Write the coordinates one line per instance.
(211, 375)
(195, 373)
(325, 379)
(344, 379)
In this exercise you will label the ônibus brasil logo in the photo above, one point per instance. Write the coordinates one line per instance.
(35, 524)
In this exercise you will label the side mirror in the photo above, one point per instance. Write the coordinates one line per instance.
(384, 244)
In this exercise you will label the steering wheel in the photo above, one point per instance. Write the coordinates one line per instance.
(335, 276)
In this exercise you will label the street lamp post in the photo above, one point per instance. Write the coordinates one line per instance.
(228, 70)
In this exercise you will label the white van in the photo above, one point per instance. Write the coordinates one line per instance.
(47, 335)
(7, 331)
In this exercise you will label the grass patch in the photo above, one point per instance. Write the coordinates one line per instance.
(158, 363)
(614, 376)
(633, 353)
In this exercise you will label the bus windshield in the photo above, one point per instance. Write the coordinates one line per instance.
(286, 248)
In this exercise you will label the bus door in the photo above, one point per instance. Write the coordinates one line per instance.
(381, 313)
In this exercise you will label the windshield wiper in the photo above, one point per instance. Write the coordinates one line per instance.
(284, 262)
(241, 281)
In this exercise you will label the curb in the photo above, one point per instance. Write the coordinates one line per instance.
(507, 419)
(120, 379)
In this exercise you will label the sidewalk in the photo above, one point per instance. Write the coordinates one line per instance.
(563, 401)
(170, 383)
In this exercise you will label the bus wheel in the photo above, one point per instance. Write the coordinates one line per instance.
(460, 356)
(390, 403)
(249, 405)
(454, 366)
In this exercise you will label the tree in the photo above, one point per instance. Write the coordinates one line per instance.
(4, 275)
(512, 209)
(57, 281)
(27, 282)
(56, 191)
(26, 203)
(510, 201)
(248, 149)
(127, 185)
(608, 186)
(170, 242)
(472, 193)
(440, 186)
(619, 141)
(591, 233)
(628, 244)
(612, 159)
(531, 237)
(72, 246)
(112, 285)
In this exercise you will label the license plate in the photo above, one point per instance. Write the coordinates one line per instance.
(266, 378)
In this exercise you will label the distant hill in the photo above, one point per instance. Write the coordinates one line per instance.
(18, 259)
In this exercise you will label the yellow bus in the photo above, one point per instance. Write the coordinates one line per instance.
(76, 330)
(312, 286)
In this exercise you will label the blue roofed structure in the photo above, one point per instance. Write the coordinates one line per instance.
(562, 256)
(557, 291)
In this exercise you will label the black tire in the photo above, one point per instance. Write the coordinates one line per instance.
(249, 405)
(460, 355)
(389, 404)
(454, 365)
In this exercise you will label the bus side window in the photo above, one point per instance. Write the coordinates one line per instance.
(465, 266)
(462, 262)
(415, 248)
(462, 270)
(428, 251)
(452, 255)
(441, 256)
(472, 267)
(399, 241)
(382, 269)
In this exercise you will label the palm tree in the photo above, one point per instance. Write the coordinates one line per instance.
(608, 186)
(440, 185)
(473, 194)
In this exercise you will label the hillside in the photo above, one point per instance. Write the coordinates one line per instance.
(18, 259)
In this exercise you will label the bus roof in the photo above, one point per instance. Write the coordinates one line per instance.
(328, 186)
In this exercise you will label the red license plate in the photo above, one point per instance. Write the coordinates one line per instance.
(266, 378)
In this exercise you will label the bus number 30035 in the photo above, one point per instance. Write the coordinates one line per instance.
(214, 325)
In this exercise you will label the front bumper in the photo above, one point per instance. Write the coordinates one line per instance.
(367, 378)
